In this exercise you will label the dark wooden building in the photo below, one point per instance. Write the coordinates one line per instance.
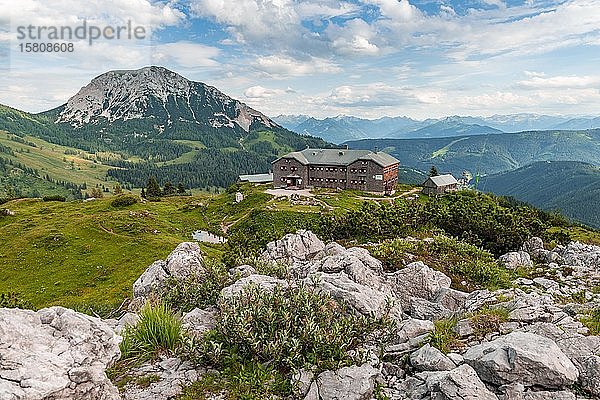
(440, 184)
(337, 168)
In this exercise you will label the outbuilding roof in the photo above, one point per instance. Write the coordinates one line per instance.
(443, 180)
(339, 157)
(257, 178)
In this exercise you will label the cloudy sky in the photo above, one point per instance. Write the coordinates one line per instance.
(368, 58)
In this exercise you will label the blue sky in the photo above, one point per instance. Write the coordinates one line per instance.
(368, 58)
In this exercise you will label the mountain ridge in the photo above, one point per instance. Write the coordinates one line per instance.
(347, 128)
(129, 94)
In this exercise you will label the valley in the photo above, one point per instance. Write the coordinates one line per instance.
(570, 187)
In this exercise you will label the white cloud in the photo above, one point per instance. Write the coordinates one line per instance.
(376, 95)
(397, 10)
(355, 38)
(186, 54)
(287, 66)
(559, 82)
(259, 92)
(101, 12)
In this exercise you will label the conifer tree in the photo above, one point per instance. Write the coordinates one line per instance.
(153, 188)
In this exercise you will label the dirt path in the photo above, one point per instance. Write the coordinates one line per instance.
(391, 199)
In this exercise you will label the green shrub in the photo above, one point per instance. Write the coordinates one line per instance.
(443, 337)
(14, 300)
(158, 331)
(276, 269)
(461, 261)
(483, 220)
(289, 328)
(54, 197)
(592, 321)
(124, 200)
(197, 291)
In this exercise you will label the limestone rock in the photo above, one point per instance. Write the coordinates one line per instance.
(451, 299)
(152, 279)
(526, 358)
(55, 353)
(348, 383)
(168, 375)
(583, 351)
(302, 245)
(363, 299)
(199, 321)
(185, 261)
(417, 280)
(429, 358)
(533, 244)
(518, 392)
(423, 309)
(516, 259)
(413, 327)
(461, 383)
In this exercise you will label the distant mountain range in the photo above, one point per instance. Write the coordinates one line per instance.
(344, 128)
(569, 186)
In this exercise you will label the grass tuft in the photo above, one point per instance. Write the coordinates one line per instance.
(592, 321)
(443, 337)
(159, 330)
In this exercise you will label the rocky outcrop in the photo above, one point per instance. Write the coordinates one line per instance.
(55, 353)
(197, 322)
(522, 343)
(363, 299)
(583, 351)
(429, 358)
(460, 383)
(516, 259)
(525, 358)
(301, 246)
(417, 280)
(184, 262)
(348, 383)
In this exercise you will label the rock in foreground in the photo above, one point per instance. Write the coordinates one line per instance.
(55, 353)
(522, 357)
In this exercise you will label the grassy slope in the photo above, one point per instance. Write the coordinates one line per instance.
(74, 253)
(51, 159)
(79, 254)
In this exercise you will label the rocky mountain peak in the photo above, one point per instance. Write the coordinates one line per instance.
(156, 93)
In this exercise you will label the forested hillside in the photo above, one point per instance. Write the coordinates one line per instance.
(568, 186)
(489, 154)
